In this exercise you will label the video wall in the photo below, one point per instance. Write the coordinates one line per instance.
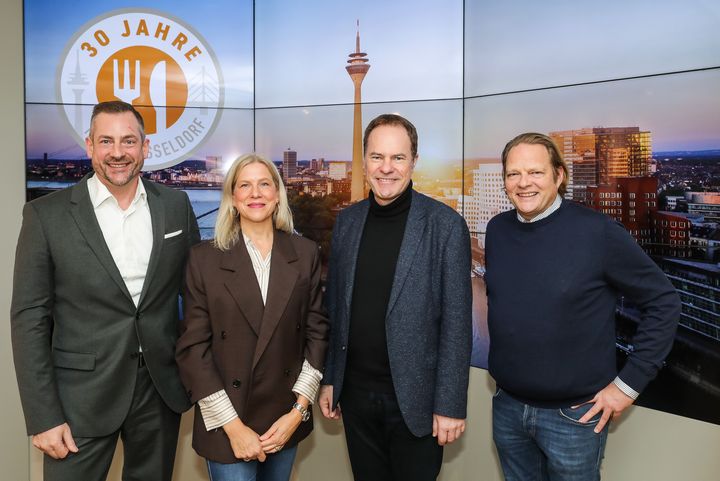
(238, 76)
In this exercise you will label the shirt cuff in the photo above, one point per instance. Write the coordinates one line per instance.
(308, 382)
(217, 410)
(627, 390)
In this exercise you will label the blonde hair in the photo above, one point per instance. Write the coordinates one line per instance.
(227, 225)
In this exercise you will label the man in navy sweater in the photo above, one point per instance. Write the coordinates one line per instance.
(555, 270)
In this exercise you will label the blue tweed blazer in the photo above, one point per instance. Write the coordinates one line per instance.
(428, 321)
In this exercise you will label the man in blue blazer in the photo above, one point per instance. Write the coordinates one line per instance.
(399, 301)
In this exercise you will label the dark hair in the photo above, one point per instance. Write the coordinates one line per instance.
(556, 159)
(393, 119)
(116, 107)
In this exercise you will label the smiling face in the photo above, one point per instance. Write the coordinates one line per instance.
(389, 162)
(117, 150)
(255, 195)
(530, 181)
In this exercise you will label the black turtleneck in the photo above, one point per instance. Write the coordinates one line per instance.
(368, 367)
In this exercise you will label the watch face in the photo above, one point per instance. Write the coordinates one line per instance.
(305, 413)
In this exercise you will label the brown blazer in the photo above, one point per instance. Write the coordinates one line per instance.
(228, 340)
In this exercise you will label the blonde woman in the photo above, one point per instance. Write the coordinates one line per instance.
(254, 334)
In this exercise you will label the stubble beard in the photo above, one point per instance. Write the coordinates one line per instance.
(116, 180)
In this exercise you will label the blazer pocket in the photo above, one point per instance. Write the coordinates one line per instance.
(82, 361)
(177, 237)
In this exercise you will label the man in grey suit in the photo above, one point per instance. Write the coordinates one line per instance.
(94, 311)
(399, 301)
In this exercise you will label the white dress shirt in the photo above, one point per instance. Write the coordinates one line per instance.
(128, 233)
(217, 409)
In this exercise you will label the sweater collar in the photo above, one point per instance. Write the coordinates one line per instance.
(396, 207)
(547, 212)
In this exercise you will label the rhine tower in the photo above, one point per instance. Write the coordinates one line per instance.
(357, 68)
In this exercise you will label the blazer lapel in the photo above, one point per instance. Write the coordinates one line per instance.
(283, 277)
(243, 285)
(352, 245)
(414, 229)
(86, 221)
(157, 219)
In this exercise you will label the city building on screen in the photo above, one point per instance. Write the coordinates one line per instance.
(289, 164)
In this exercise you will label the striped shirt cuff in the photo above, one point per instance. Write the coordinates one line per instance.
(216, 410)
(627, 390)
(308, 382)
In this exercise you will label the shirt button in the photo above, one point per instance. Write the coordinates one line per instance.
(343, 348)
(236, 383)
(297, 327)
(287, 372)
(223, 335)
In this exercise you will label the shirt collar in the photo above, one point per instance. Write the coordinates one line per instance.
(99, 193)
(249, 244)
(553, 207)
(247, 240)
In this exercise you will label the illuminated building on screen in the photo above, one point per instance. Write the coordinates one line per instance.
(337, 170)
(629, 200)
(596, 155)
(357, 69)
(672, 234)
(698, 284)
(289, 165)
(213, 162)
(706, 204)
(487, 198)
(317, 164)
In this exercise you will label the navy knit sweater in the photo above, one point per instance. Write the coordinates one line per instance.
(552, 288)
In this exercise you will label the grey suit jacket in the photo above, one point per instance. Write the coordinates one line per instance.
(429, 316)
(75, 328)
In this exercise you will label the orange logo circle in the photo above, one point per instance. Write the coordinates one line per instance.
(147, 78)
(155, 62)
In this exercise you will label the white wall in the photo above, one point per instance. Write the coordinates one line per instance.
(13, 443)
(645, 445)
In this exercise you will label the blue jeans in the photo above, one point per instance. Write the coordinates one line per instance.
(277, 467)
(536, 444)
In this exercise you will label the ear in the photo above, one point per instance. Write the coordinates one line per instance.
(88, 147)
(559, 177)
(146, 148)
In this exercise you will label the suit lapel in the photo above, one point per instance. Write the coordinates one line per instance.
(352, 244)
(157, 219)
(243, 285)
(84, 215)
(414, 229)
(283, 277)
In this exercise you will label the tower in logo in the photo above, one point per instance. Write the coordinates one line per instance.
(78, 82)
(161, 66)
(357, 69)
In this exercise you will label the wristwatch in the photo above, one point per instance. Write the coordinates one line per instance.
(304, 412)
